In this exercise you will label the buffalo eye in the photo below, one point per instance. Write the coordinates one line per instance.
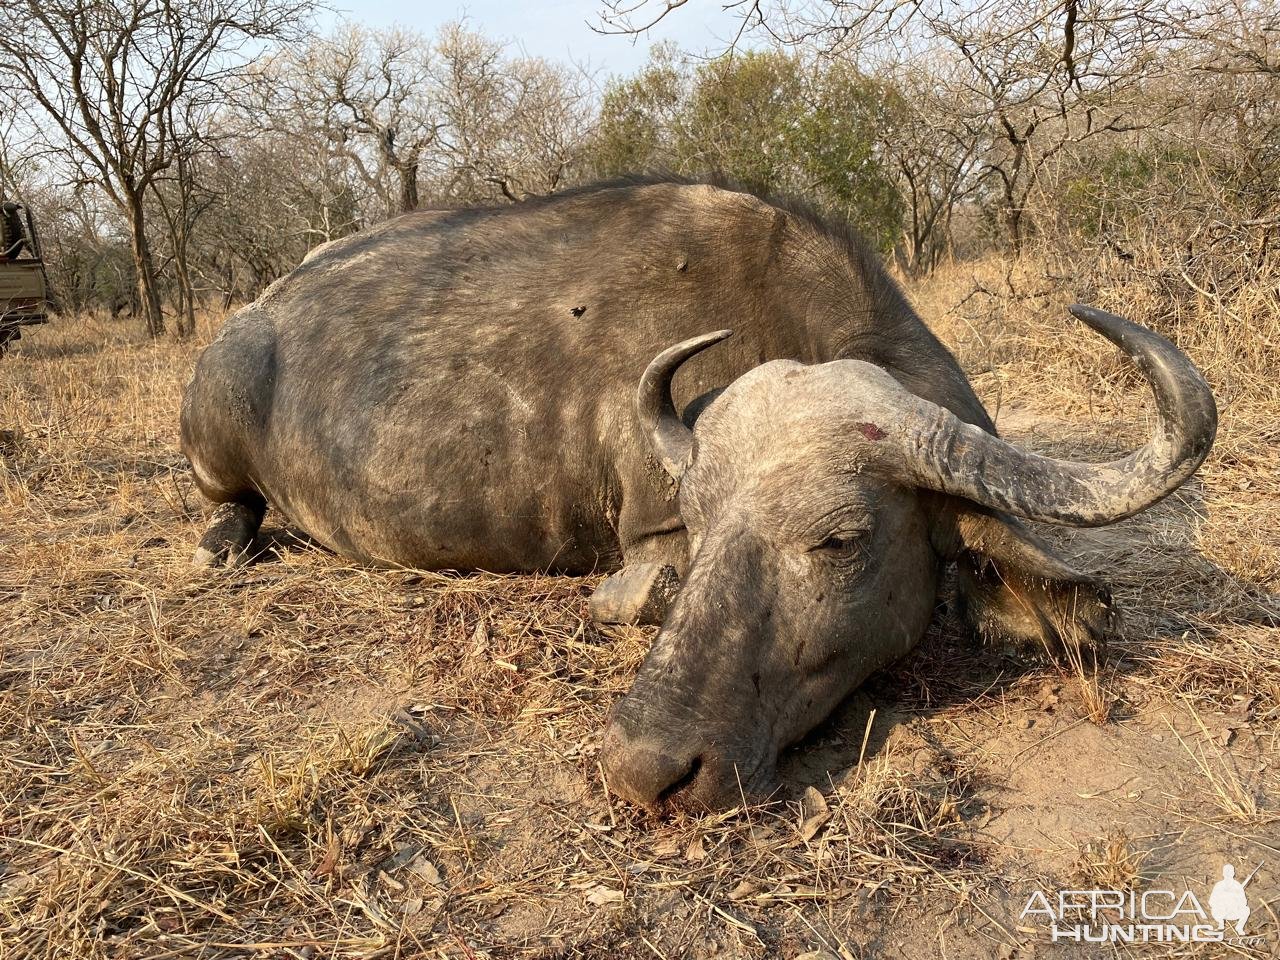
(840, 545)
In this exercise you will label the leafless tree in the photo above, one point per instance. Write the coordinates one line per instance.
(17, 155)
(512, 127)
(277, 191)
(1048, 76)
(933, 142)
(370, 93)
(454, 119)
(102, 79)
(182, 200)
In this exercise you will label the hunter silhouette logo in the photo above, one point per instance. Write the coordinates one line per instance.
(1228, 900)
(1150, 916)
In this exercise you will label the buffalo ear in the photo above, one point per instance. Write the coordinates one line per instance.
(1011, 586)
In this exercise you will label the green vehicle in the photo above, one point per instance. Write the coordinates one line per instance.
(24, 287)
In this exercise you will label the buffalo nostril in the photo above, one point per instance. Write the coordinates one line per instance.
(645, 771)
(685, 781)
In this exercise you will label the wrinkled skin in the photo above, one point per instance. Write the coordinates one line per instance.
(813, 564)
(812, 567)
(457, 390)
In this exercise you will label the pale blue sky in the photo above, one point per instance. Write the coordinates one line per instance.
(556, 29)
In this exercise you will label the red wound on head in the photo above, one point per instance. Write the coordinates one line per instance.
(870, 431)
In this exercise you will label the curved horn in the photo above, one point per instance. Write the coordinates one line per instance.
(963, 460)
(670, 438)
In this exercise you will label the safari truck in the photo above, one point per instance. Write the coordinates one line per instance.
(23, 283)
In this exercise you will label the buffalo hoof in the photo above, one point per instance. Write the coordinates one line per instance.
(230, 534)
(639, 593)
(206, 559)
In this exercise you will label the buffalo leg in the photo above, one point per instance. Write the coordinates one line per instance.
(231, 532)
(638, 593)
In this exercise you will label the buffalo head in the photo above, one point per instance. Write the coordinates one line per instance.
(821, 503)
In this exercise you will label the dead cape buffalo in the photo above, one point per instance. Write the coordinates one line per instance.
(529, 388)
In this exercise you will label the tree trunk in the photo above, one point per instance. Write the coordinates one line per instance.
(1013, 223)
(144, 269)
(228, 284)
(1011, 212)
(408, 186)
(186, 294)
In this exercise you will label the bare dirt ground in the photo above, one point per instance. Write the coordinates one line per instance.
(306, 758)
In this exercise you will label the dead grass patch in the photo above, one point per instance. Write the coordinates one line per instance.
(1111, 862)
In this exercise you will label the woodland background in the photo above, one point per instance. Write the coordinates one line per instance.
(189, 153)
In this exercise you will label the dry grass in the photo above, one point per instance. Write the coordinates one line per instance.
(1110, 863)
(1197, 577)
(305, 758)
